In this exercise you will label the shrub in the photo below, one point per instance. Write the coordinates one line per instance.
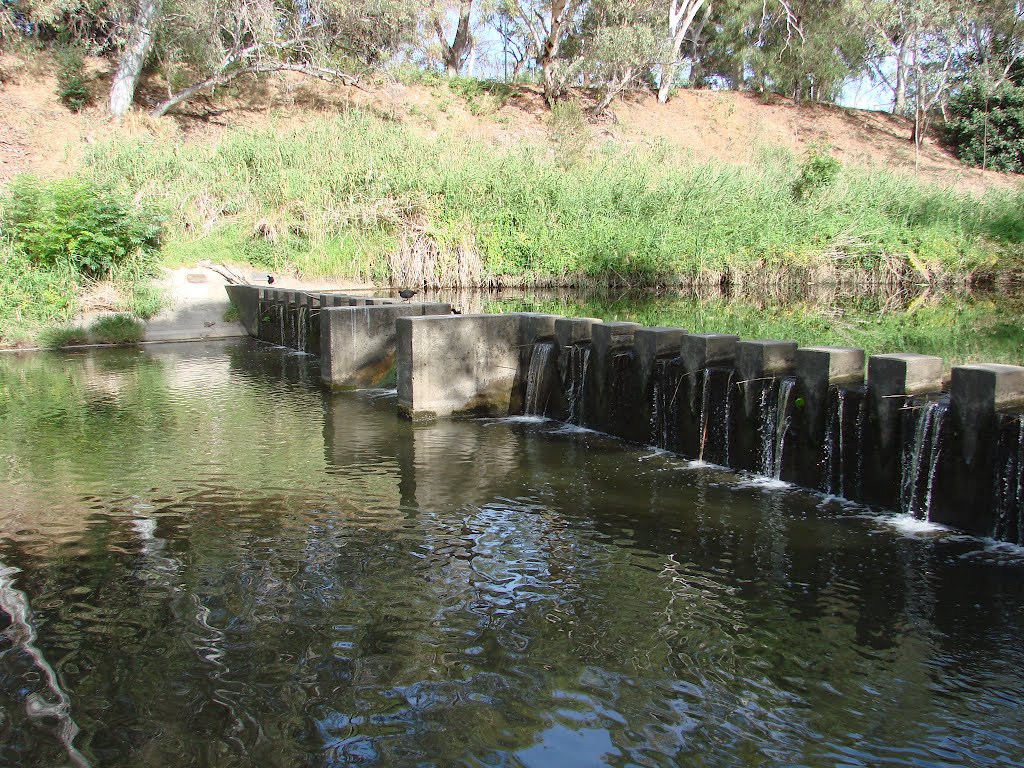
(987, 129)
(72, 83)
(76, 222)
(819, 169)
(117, 329)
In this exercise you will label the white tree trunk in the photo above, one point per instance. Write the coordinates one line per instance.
(680, 17)
(122, 90)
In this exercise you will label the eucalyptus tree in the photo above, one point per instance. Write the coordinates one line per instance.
(549, 24)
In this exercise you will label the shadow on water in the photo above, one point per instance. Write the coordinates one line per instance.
(224, 565)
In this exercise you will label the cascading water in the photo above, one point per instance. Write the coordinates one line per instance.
(301, 327)
(776, 415)
(715, 416)
(665, 412)
(537, 384)
(282, 325)
(579, 363)
(921, 461)
(1008, 515)
(619, 386)
(846, 405)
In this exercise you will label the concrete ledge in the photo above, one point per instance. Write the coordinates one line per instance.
(708, 350)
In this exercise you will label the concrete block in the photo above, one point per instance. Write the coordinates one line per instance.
(651, 343)
(247, 299)
(977, 392)
(611, 335)
(903, 374)
(358, 344)
(765, 359)
(459, 365)
(574, 330)
(818, 368)
(535, 326)
(708, 350)
(356, 302)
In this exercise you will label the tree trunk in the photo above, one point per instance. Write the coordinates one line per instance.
(680, 20)
(122, 90)
(899, 105)
(455, 54)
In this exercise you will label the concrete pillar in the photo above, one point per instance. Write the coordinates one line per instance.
(819, 370)
(707, 359)
(654, 349)
(358, 344)
(246, 299)
(606, 405)
(892, 379)
(965, 491)
(760, 368)
(573, 335)
(461, 365)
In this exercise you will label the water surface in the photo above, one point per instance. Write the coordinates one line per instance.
(205, 560)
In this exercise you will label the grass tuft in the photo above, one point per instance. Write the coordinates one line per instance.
(63, 336)
(117, 329)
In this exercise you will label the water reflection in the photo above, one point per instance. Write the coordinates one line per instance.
(226, 566)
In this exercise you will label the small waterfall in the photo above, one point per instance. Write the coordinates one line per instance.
(776, 415)
(282, 336)
(921, 461)
(537, 379)
(1009, 483)
(838, 442)
(302, 327)
(579, 363)
(715, 416)
(664, 411)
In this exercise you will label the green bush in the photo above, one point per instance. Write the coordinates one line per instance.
(117, 329)
(78, 223)
(72, 83)
(818, 170)
(988, 128)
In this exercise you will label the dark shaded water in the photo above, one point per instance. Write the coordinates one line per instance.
(205, 560)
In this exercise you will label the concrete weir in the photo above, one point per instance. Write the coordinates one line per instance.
(808, 416)
(885, 430)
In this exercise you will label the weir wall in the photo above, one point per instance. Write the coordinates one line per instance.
(887, 430)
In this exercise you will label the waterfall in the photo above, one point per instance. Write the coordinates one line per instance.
(579, 363)
(619, 385)
(665, 412)
(838, 443)
(921, 461)
(1008, 524)
(302, 325)
(776, 415)
(715, 416)
(281, 335)
(537, 379)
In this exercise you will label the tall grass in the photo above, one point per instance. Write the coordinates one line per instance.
(362, 197)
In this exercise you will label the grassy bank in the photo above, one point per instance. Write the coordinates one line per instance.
(361, 197)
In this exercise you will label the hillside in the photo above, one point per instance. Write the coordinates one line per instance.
(39, 135)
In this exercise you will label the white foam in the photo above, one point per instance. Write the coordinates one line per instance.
(519, 420)
(764, 483)
(912, 526)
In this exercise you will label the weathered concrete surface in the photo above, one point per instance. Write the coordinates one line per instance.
(607, 405)
(964, 493)
(653, 348)
(818, 371)
(463, 365)
(892, 379)
(358, 344)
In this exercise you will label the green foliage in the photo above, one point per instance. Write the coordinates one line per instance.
(232, 314)
(72, 82)
(32, 294)
(117, 329)
(988, 128)
(569, 131)
(359, 197)
(63, 336)
(818, 170)
(145, 299)
(79, 223)
(483, 97)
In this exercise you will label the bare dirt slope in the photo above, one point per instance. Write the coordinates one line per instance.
(39, 135)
